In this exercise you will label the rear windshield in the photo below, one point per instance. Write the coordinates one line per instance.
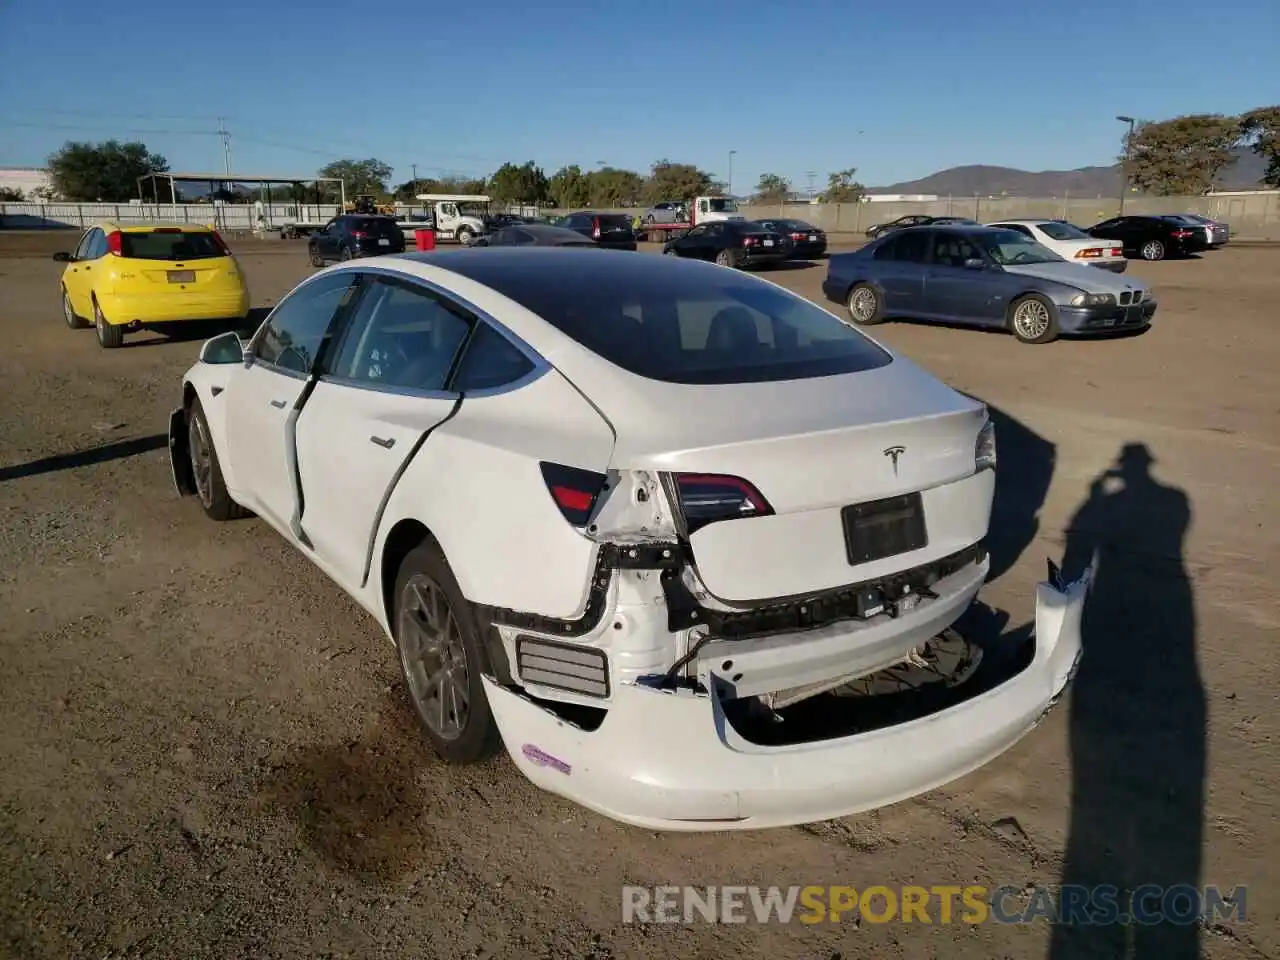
(1063, 231)
(693, 324)
(376, 226)
(614, 220)
(170, 245)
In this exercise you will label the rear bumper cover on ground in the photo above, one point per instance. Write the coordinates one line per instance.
(671, 760)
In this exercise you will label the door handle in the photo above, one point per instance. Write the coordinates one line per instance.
(385, 442)
(278, 404)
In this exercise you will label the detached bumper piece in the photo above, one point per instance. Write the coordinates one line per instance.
(671, 760)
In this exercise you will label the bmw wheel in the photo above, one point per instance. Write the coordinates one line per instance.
(1153, 250)
(865, 305)
(442, 658)
(1033, 319)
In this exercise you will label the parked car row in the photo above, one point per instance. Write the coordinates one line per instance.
(1151, 237)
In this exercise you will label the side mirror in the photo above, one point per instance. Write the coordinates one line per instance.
(63, 257)
(975, 264)
(224, 348)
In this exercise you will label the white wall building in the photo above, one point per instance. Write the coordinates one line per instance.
(24, 179)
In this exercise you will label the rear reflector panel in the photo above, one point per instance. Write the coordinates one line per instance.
(562, 666)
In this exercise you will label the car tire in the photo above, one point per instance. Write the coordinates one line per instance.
(671, 252)
(316, 260)
(346, 254)
(73, 319)
(865, 305)
(1152, 250)
(465, 236)
(110, 335)
(1033, 319)
(650, 220)
(725, 258)
(206, 469)
(438, 636)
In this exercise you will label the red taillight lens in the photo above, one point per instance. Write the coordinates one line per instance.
(1091, 253)
(115, 243)
(1117, 251)
(750, 241)
(574, 490)
(1182, 234)
(595, 228)
(711, 497)
(797, 236)
(359, 234)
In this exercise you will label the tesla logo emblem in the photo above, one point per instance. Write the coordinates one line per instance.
(893, 453)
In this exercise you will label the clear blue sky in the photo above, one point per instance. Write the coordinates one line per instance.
(897, 89)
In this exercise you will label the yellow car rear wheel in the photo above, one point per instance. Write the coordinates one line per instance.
(109, 335)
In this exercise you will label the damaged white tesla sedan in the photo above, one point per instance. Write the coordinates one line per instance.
(629, 516)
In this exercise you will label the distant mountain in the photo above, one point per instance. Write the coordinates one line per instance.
(984, 181)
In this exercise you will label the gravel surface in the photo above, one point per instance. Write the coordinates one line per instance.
(206, 750)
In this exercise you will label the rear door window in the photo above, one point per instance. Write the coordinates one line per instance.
(912, 247)
(170, 244)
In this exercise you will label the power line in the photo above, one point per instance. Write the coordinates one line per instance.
(99, 127)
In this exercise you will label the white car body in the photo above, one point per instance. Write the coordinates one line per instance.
(1060, 238)
(599, 611)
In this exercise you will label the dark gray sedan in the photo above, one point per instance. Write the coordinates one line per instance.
(984, 277)
(534, 235)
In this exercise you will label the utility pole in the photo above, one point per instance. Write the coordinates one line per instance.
(226, 144)
(414, 167)
(1128, 146)
(731, 153)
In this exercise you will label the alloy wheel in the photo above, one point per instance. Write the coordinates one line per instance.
(201, 460)
(863, 304)
(435, 659)
(1031, 319)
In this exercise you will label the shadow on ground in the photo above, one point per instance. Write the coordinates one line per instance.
(83, 458)
(1137, 723)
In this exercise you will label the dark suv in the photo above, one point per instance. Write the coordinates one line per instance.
(610, 230)
(355, 235)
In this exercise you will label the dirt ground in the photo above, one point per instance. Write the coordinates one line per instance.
(205, 750)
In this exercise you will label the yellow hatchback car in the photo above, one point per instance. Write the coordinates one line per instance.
(127, 277)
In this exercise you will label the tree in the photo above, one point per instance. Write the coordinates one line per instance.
(772, 188)
(106, 171)
(523, 184)
(1182, 156)
(676, 181)
(360, 176)
(611, 187)
(10, 195)
(1260, 130)
(843, 188)
(569, 187)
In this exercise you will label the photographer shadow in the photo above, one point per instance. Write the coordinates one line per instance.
(1137, 718)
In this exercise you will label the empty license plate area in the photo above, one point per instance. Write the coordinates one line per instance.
(182, 276)
(884, 528)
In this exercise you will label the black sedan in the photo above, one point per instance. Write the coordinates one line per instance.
(732, 243)
(534, 235)
(354, 235)
(808, 242)
(911, 220)
(610, 230)
(1151, 238)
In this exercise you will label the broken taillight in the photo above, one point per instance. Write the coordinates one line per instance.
(711, 497)
(574, 490)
